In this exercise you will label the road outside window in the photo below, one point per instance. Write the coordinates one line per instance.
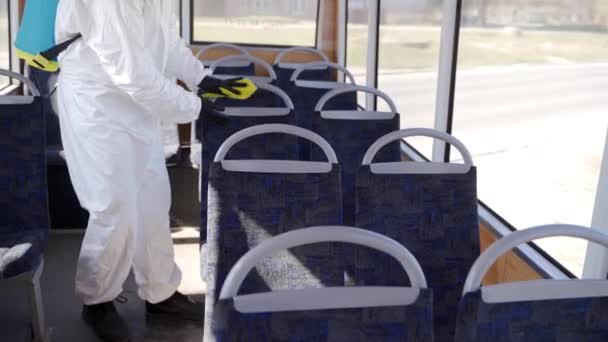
(531, 107)
(408, 62)
(357, 39)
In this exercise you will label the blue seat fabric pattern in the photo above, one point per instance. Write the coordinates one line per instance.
(306, 99)
(560, 320)
(64, 207)
(351, 139)
(24, 221)
(284, 75)
(433, 216)
(45, 81)
(248, 208)
(213, 133)
(412, 323)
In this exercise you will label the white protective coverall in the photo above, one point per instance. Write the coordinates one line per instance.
(115, 85)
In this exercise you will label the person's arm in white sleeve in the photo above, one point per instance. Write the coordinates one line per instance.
(116, 33)
(182, 64)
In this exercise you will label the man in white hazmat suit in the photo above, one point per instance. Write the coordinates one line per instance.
(116, 84)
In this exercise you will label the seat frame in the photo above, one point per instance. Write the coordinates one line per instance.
(31, 279)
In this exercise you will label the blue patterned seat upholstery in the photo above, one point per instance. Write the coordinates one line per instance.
(558, 320)
(285, 70)
(213, 133)
(238, 70)
(64, 207)
(24, 221)
(246, 208)
(284, 75)
(412, 323)
(548, 310)
(432, 215)
(430, 208)
(325, 314)
(305, 100)
(351, 139)
(45, 81)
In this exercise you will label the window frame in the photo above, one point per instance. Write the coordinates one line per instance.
(373, 45)
(534, 255)
(180, 18)
(531, 253)
(541, 261)
(254, 45)
(10, 87)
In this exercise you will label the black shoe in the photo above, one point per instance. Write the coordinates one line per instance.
(106, 322)
(176, 307)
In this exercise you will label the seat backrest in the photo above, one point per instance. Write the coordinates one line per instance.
(229, 68)
(46, 82)
(351, 133)
(269, 105)
(285, 70)
(350, 313)
(431, 208)
(539, 310)
(307, 93)
(23, 200)
(253, 200)
(216, 66)
(263, 99)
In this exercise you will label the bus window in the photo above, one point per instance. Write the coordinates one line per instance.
(530, 106)
(256, 22)
(5, 45)
(408, 61)
(357, 40)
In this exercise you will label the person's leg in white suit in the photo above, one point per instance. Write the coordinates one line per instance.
(122, 181)
(156, 273)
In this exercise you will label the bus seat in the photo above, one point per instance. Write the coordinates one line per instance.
(251, 201)
(350, 133)
(325, 314)
(285, 70)
(47, 83)
(431, 208)
(271, 76)
(24, 220)
(538, 310)
(65, 209)
(307, 93)
(234, 68)
(262, 97)
(213, 133)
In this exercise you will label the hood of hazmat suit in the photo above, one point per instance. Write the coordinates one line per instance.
(115, 86)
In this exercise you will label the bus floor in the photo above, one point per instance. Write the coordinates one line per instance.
(62, 308)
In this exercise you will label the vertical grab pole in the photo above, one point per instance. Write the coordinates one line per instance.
(447, 72)
(16, 10)
(187, 24)
(342, 36)
(373, 30)
(596, 260)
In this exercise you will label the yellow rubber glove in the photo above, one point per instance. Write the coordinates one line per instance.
(234, 88)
